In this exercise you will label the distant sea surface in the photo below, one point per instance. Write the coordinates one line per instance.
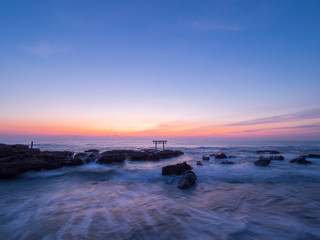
(134, 201)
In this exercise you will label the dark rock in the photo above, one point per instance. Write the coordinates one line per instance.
(115, 156)
(177, 169)
(219, 155)
(226, 162)
(300, 160)
(279, 158)
(268, 151)
(96, 151)
(199, 163)
(187, 180)
(84, 157)
(232, 157)
(205, 158)
(152, 155)
(17, 159)
(312, 156)
(263, 161)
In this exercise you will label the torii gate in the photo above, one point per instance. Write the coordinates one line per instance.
(159, 141)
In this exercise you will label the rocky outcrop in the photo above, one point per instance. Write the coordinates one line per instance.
(226, 162)
(152, 155)
(268, 151)
(177, 169)
(300, 160)
(187, 180)
(219, 155)
(17, 159)
(114, 156)
(262, 162)
(205, 158)
(199, 163)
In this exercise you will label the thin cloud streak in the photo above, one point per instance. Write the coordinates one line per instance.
(303, 115)
(310, 126)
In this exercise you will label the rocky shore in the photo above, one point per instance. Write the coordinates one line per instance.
(17, 159)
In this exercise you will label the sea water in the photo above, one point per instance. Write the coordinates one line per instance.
(133, 200)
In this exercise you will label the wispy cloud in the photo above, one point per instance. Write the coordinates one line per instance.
(309, 126)
(303, 115)
(214, 26)
(43, 49)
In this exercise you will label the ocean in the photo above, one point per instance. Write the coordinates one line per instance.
(132, 200)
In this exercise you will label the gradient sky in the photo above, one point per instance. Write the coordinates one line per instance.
(160, 68)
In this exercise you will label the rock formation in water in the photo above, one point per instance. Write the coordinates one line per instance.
(177, 169)
(205, 158)
(262, 162)
(226, 162)
(187, 180)
(300, 160)
(219, 155)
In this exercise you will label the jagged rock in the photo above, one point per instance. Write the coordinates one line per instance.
(187, 180)
(268, 151)
(300, 160)
(226, 162)
(114, 156)
(262, 162)
(177, 169)
(205, 158)
(199, 163)
(219, 155)
(85, 157)
(17, 159)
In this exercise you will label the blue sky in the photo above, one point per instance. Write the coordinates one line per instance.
(159, 67)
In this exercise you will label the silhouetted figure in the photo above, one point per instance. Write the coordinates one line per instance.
(31, 144)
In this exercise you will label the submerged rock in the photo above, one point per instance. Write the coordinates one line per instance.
(279, 158)
(187, 180)
(268, 151)
(205, 158)
(232, 157)
(199, 163)
(300, 160)
(219, 155)
(226, 162)
(262, 161)
(177, 169)
(153, 155)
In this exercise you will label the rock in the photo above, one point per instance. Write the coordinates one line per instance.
(199, 163)
(152, 155)
(114, 156)
(279, 158)
(232, 157)
(177, 169)
(17, 159)
(300, 160)
(187, 180)
(263, 161)
(84, 157)
(96, 151)
(219, 155)
(268, 151)
(205, 158)
(226, 162)
(312, 156)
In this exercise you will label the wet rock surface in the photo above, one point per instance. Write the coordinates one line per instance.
(205, 158)
(279, 158)
(177, 169)
(17, 159)
(300, 160)
(187, 180)
(199, 163)
(263, 161)
(219, 155)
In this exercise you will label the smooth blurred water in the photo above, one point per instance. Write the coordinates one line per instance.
(134, 201)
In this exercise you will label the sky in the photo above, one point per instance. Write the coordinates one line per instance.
(216, 69)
